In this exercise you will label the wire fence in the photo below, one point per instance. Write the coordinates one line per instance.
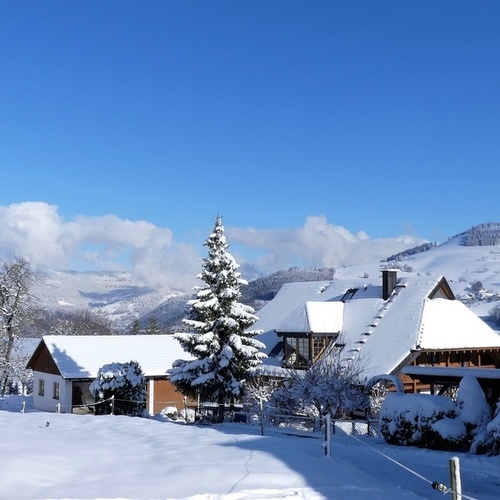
(69, 408)
(436, 485)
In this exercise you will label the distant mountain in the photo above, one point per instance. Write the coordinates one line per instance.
(264, 289)
(114, 295)
(470, 265)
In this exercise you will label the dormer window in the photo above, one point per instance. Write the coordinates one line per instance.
(304, 350)
(349, 294)
(297, 351)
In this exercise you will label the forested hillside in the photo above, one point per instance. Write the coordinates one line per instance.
(264, 289)
(482, 235)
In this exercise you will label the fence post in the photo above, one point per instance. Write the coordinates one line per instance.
(456, 483)
(328, 435)
(23, 406)
(261, 411)
(113, 404)
(58, 408)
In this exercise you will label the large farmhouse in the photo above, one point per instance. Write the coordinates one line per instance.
(412, 327)
(64, 366)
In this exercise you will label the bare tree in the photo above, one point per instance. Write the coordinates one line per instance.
(16, 309)
(261, 387)
(79, 322)
(331, 385)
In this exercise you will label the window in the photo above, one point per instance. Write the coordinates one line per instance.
(349, 294)
(55, 394)
(319, 346)
(41, 387)
(297, 351)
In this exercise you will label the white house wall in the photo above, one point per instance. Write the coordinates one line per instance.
(151, 396)
(47, 402)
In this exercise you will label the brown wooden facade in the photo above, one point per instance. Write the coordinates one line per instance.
(467, 358)
(165, 394)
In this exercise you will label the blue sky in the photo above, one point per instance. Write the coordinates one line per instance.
(298, 121)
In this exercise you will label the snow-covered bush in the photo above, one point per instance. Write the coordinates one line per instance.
(188, 415)
(443, 433)
(488, 441)
(398, 419)
(472, 407)
(124, 381)
(170, 414)
(421, 420)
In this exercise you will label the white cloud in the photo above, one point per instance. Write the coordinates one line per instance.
(317, 244)
(36, 231)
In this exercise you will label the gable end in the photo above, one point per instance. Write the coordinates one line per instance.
(442, 289)
(42, 361)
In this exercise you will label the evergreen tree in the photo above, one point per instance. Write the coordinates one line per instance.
(221, 345)
(126, 382)
(153, 327)
(135, 328)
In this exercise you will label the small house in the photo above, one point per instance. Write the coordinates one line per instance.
(64, 366)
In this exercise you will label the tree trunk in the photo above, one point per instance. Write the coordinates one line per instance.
(7, 359)
(220, 414)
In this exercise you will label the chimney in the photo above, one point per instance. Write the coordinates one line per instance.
(389, 280)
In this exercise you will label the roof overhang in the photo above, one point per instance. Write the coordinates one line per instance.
(449, 374)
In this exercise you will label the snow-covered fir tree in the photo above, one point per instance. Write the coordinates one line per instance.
(125, 382)
(223, 348)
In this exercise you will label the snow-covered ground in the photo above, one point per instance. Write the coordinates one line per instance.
(56, 456)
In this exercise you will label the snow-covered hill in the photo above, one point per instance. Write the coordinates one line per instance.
(114, 295)
(121, 299)
(461, 265)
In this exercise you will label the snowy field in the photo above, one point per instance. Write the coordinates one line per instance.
(55, 456)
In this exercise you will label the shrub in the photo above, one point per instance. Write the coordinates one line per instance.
(444, 434)
(398, 422)
(421, 420)
(438, 425)
(472, 407)
(488, 441)
(124, 381)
